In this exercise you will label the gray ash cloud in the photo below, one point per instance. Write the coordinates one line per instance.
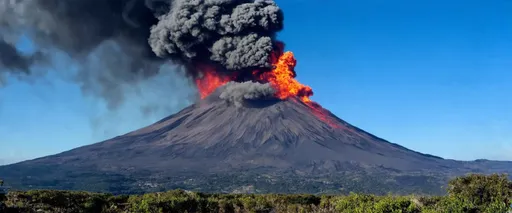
(236, 93)
(236, 34)
(105, 39)
(119, 42)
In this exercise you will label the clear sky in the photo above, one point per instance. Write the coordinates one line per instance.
(433, 76)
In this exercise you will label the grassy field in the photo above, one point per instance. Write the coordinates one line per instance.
(472, 193)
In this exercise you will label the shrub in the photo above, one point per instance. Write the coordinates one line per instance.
(472, 193)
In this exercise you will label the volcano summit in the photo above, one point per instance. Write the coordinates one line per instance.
(233, 139)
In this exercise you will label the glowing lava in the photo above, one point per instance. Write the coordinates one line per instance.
(282, 78)
(209, 82)
(322, 114)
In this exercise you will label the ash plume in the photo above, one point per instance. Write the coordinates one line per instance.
(236, 93)
(105, 40)
(236, 34)
(124, 42)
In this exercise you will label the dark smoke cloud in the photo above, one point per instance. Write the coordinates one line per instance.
(79, 26)
(105, 39)
(236, 93)
(236, 34)
(118, 42)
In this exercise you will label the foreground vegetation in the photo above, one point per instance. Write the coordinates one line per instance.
(472, 193)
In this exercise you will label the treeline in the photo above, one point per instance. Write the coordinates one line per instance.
(472, 193)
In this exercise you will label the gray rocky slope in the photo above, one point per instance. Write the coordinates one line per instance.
(214, 136)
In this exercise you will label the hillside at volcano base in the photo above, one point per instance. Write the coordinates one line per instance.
(258, 145)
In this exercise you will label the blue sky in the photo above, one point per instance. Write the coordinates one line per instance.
(433, 76)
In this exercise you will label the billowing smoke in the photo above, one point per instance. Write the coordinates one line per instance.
(234, 34)
(134, 37)
(105, 39)
(236, 93)
(119, 50)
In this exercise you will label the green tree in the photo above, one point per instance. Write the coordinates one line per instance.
(484, 192)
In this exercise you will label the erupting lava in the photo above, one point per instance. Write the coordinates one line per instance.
(282, 78)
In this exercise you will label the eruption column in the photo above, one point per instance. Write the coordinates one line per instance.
(281, 77)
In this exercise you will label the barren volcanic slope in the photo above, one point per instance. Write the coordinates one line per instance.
(262, 145)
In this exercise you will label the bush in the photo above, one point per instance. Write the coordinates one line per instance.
(481, 193)
(472, 193)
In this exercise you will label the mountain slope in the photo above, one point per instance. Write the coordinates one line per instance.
(215, 139)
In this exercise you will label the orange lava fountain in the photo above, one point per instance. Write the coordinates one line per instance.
(282, 78)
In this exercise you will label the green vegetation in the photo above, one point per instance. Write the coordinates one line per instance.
(472, 193)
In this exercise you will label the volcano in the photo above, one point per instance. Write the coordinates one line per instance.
(260, 145)
(255, 128)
